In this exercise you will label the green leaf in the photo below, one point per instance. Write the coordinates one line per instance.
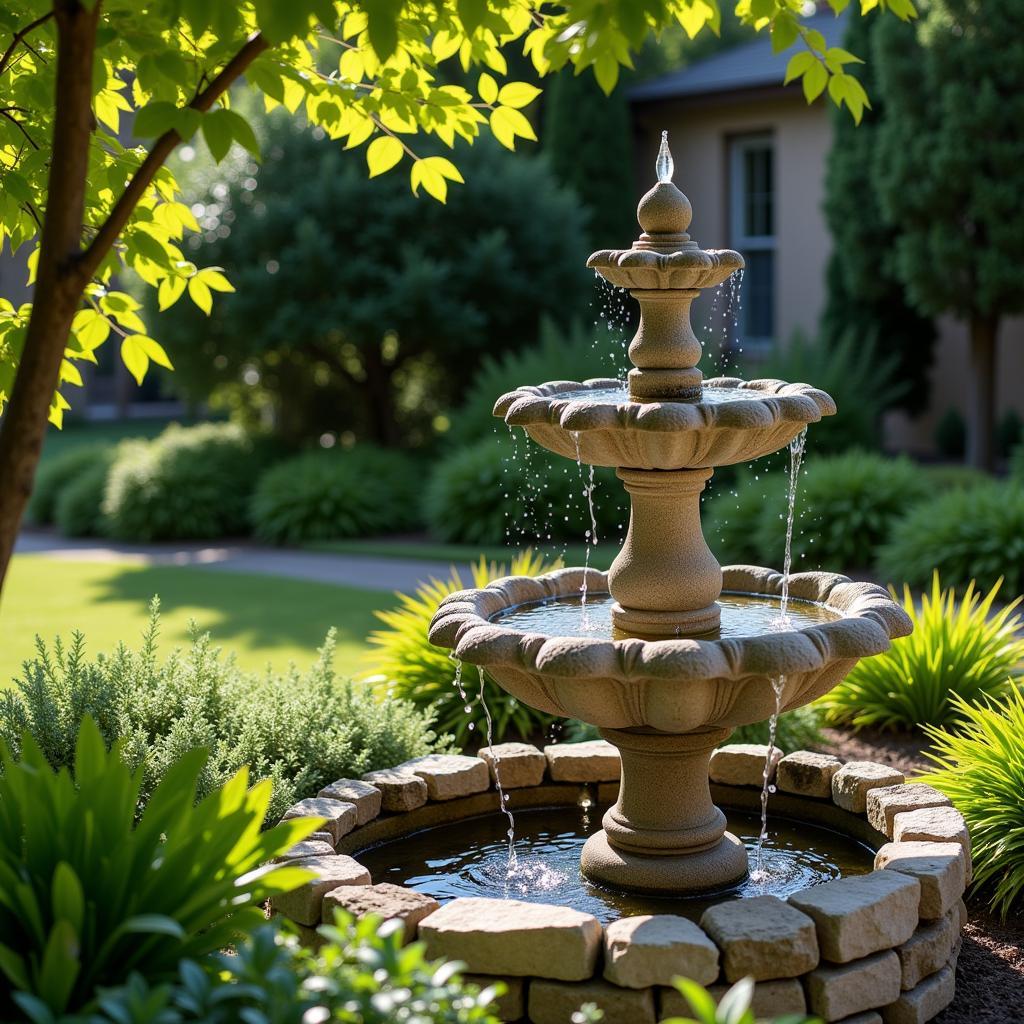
(217, 132)
(700, 1000)
(60, 966)
(382, 26)
(152, 924)
(517, 94)
(199, 293)
(137, 350)
(606, 71)
(169, 291)
(215, 280)
(241, 131)
(815, 80)
(472, 13)
(382, 154)
(507, 123)
(798, 65)
(154, 119)
(487, 88)
(784, 32)
(431, 172)
(67, 897)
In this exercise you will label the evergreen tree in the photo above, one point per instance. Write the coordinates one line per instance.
(950, 173)
(865, 296)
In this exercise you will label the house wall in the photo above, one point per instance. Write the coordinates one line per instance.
(699, 133)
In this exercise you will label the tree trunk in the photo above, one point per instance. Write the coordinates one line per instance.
(981, 409)
(379, 398)
(59, 280)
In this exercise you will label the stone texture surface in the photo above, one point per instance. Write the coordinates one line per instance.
(367, 798)
(449, 776)
(850, 785)
(400, 791)
(511, 1006)
(555, 1002)
(653, 949)
(307, 848)
(934, 825)
(741, 764)
(493, 936)
(927, 950)
(939, 867)
(320, 837)
(862, 914)
(593, 761)
(807, 773)
(885, 803)
(771, 999)
(339, 816)
(835, 992)
(519, 764)
(762, 938)
(868, 1017)
(302, 905)
(387, 901)
(924, 1001)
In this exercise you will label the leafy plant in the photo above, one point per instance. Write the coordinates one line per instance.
(79, 508)
(327, 495)
(413, 669)
(302, 730)
(951, 435)
(502, 490)
(1017, 464)
(959, 651)
(58, 473)
(733, 1008)
(979, 767)
(190, 482)
(975, 533)
(88, 895)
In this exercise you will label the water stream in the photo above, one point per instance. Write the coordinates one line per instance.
(591, 534)
(502, 795)
(759, 874)
(796, 457)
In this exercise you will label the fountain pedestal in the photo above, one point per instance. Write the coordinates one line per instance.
(664, 833)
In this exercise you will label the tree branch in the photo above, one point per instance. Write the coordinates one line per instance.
(17, 124)
(19, 35)
(109, 230)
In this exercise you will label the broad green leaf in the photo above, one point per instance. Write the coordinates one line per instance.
(59, 967)
(517, 94)
(382, 154)
(68, 898)
(507, 123)
(215, 280)
(487, 88)
(798, 65)
(606, 71)
(218, 134)
(136, 352)
(153, 924)
(199, 293)
(154, 119)
(170, 290)
(814, 81)
(241, 131)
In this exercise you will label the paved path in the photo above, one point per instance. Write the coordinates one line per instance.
(372, 573)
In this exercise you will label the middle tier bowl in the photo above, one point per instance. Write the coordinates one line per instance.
(596, 421)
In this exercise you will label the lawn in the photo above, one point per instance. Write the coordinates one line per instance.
(262, 618)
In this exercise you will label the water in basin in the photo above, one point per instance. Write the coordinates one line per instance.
(620, 393)
(742, 615)
(470, 858)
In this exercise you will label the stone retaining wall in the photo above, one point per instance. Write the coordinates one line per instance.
(866, 949)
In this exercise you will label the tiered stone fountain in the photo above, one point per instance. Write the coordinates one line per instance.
(692, 650)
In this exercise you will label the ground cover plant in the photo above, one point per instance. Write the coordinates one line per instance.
(89, 894)
(961, 650)
(408, 666)
(980, 767)
(301, 730)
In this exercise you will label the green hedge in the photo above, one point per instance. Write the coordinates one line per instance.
(57, 473)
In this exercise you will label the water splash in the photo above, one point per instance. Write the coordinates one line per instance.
(797, 448)
(759, 874)
(591, 534)
(513, 859)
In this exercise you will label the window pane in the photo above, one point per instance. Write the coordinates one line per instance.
(758, 295)
(757, 182)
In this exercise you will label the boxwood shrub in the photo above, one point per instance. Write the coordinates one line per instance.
(55, 475)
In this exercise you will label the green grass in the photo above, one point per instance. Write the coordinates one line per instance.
(262, 618)
(601, 555)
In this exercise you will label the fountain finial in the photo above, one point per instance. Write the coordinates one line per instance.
(664, 213)
(664, 166)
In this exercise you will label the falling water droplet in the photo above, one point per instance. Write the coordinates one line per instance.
(664, 165)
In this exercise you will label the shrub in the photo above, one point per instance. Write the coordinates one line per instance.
(980, 768)
(55, 475)
(977, 533)
(500, 490)
(361, 974)
(89, 895)
(190, 482)
(1017, 464)
(958, 651)
(302, 730)
(951, 435)
(1009, 432)
(412, 668)
(79, 508)
(327, 495)
(846, 507)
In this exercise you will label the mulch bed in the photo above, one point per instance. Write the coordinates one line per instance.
(990, 971)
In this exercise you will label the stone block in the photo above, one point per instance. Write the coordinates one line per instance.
(742, 764)
(302, 905)
(339, 816)
(593, 761)
(835, 992)
(927, 950)
(320, 837)
(400, 791)
(772, 999)
(762, 937)
(869, 1017)
(934, 825)
(807, 773)
(862, 914)
(555, 1002)
(307, 848)
(653, 949)
(387, 901)
(885, 803)
(519, 765)
(924, 1001)
(494, 936)
(511, 1005)
(964, 916)
(851, 784)
(366, 798)
(939, 867)
(449, 776)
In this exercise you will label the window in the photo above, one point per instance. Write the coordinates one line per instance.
(752, 228)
